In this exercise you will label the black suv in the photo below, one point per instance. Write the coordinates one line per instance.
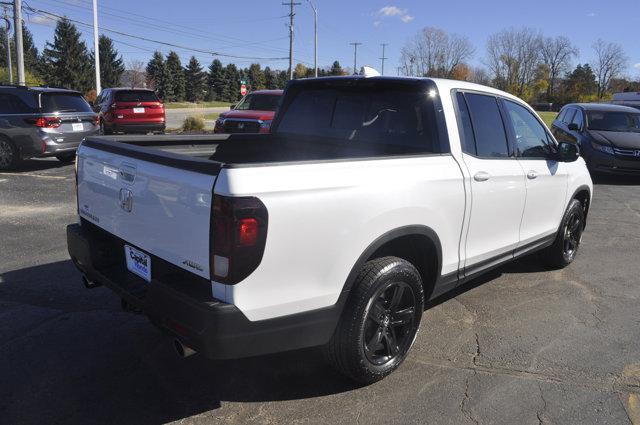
(41, 122)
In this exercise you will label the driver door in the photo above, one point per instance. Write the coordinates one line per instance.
(546, 178)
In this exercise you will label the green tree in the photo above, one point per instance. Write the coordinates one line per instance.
(231, 90)
(215, 80)
(580, 85)
(66, 61)
(300, 71)
(111, 64)
(336, 69)
(270, 78)
(255, 77)
(155, 74)
(195, 81)
(31, 56)
(283, 78)
(174, 81)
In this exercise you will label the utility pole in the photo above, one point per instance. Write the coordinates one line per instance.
(7, 29)
(315, 37)
(383, 58)
(17, 24)
(96, 48)
(355, 56)
(291, 15)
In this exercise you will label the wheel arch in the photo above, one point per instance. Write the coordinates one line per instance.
(418, 244)
(583, 194)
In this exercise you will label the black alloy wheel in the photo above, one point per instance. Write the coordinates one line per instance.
(572, 235)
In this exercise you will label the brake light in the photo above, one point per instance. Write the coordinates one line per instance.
(238, 236)
(48, 122)
(96, 120)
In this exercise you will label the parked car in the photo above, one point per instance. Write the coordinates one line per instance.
(608, 135)
(253, 114)
(370, 197)
(627, 99)
(127, 110)
(38, 122)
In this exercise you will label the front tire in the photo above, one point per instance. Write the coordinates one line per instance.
(565, 247)
(380, 320)
(9, 155)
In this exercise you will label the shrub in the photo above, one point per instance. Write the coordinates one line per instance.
(193, 124)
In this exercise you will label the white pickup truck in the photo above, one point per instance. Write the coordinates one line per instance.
(370, 197)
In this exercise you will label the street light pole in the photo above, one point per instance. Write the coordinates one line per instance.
(355, 56)
(96, 48)
(315, 37)
(7, 29)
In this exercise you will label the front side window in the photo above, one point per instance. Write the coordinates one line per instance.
(383, 119)
(466, 130)
(578, 118)
(614, 121)
(488, 128)
(569, 115)
(63, 102)
(561, 115)
(531, 137)
(259, 102)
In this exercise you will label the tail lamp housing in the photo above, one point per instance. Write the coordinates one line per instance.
(48, 122)
(238, 236)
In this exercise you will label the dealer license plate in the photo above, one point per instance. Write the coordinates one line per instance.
(138, 262)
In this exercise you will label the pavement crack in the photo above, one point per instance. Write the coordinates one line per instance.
(477, 353)
(465, 399)
(540, 413)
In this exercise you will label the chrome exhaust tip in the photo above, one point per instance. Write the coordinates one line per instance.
(182, 350)
(88, 283)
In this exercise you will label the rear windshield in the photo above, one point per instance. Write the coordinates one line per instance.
(136, 96)
(259, 102)
(389, 118)
(63, 102)
(614, 121)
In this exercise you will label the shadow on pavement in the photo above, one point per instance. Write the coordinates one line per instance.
(70, 355)
(615, 179)
(29, 165)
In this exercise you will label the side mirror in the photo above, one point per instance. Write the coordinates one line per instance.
(574, 127)
(568, 152)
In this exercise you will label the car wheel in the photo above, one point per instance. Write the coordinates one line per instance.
(66, 158)
(567, 242)
(380, 320)
(9, 155)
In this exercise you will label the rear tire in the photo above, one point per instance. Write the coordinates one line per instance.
(9, 155)
(565, 247)
(380, 321)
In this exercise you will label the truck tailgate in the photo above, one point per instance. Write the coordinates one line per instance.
(157, 202)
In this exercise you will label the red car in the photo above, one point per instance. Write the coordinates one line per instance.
(253, 114)
(128, 110)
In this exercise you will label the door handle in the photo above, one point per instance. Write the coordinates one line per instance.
(532, 175)
(481, 176)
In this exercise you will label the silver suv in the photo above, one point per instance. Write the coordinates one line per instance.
(42, 122)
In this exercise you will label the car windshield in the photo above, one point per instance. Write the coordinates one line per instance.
(136, 96)
(614, 121)
(259, 102)
(63, 102)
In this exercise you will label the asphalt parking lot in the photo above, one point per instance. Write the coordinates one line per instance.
(524, 345)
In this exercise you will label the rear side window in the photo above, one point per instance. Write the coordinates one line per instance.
(63, 102)
(12, 104)
(135, 96)
(386, 118)
(488, 128)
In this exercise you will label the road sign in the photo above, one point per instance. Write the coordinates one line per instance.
(243, 89)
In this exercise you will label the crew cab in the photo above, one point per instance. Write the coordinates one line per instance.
(369, 197)
(253, 114)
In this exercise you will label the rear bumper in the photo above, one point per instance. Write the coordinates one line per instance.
(39, 144)
(137, 127)
(186, 310)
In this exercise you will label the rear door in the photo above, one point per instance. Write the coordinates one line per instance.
(497, 183)
(546, 178)
(154, 206)
(77, 119)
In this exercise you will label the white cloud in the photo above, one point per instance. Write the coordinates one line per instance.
(591, 14)
(41, 20)
(637, 66)
(394, 11)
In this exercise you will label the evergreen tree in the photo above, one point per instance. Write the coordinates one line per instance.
(168, 94)
(231, 89)
(111, 66)
(195, 81)
(215, 80)
(174, 82)
(270, 79)
(336, 69)
(31, 57)
(66, 61)
(300, 71)
(155, 74)
(255, 77)
(283, 78)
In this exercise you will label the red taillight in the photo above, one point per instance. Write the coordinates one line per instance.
(238, 236)
(48, 122)
(96, 120)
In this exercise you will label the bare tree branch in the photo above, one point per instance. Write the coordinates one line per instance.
(609, 63)
(557, 54)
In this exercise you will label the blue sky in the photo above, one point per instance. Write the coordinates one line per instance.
(257, 28)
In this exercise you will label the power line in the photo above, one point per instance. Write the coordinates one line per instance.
(210, 52)
(291, 4)
(355, 56)
(383, 58)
